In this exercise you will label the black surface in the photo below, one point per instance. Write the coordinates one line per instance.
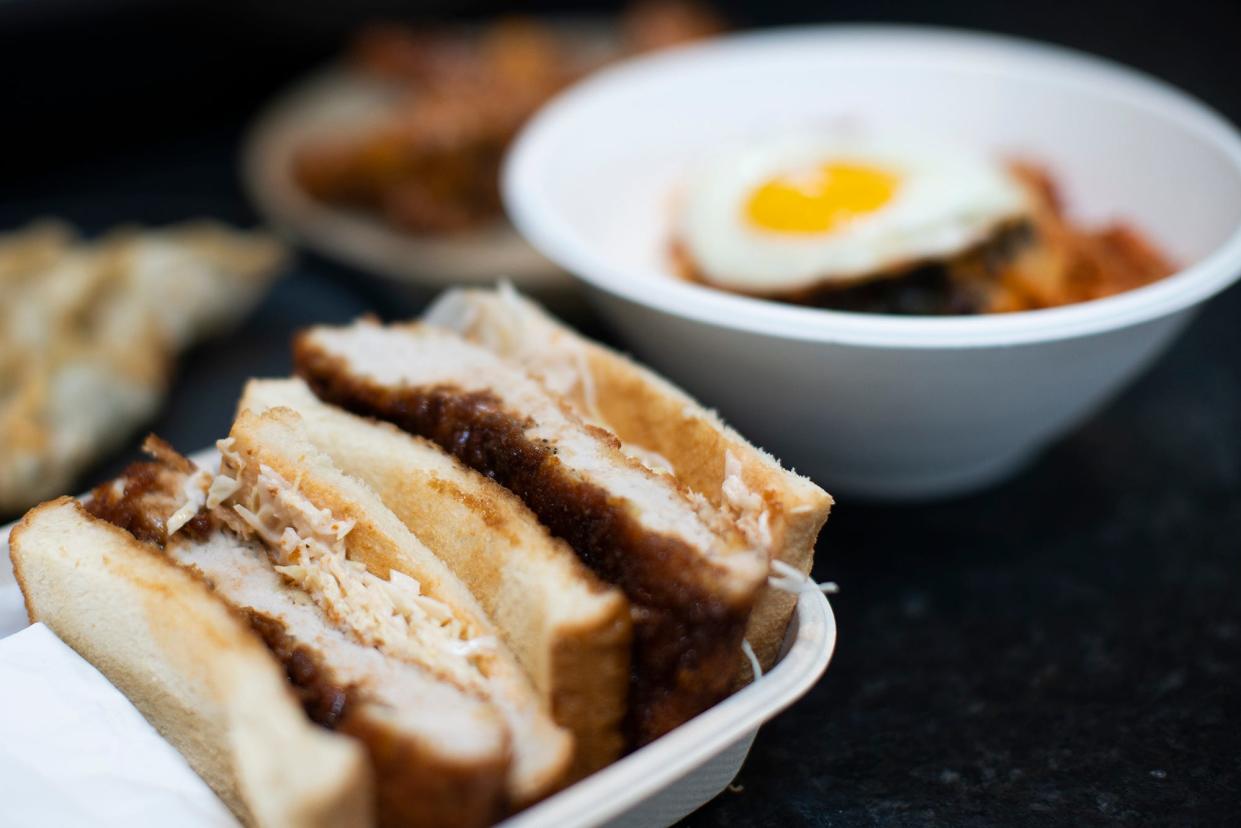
(1065, 649)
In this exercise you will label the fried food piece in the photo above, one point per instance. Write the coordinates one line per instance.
(659, 24)
(431, 165)
(89, 331)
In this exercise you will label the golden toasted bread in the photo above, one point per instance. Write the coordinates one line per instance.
(89, 331)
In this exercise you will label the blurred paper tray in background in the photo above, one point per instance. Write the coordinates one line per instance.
(322, 104)
(667, 779)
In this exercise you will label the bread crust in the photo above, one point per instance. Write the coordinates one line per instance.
(686, 633)
(645, 410)
(206, 682)
(570, 631)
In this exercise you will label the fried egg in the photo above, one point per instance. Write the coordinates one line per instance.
(812, 210)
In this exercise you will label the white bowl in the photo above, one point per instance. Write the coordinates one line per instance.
(883, 405)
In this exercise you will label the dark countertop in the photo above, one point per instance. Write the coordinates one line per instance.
(1063, 649)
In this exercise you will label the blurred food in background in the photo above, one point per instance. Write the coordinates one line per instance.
(430, 165)
(89, 331)
(868, 224)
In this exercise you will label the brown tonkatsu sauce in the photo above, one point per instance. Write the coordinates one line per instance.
(129, 504)
(325, 702)
(686, 639)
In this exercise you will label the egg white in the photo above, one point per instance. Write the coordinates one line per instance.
(947, 201)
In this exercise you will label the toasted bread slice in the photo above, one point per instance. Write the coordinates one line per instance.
(691, 580)
(193, 668)
(661, 425)
(282, 479)
(569, 630)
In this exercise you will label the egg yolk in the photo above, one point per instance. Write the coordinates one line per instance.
(821, 200)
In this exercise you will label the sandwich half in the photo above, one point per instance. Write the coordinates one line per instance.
(663, 427)
(349, 548)
(691, 577)
(569, 630)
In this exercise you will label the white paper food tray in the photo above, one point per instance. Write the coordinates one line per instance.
(667, 779)
(682, 771)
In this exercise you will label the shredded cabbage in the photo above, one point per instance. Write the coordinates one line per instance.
(307, 546)
(791, 580)
(749, 653)
(195, 490)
